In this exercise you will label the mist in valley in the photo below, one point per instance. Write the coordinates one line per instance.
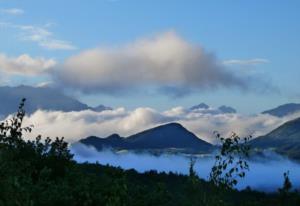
(265, 174)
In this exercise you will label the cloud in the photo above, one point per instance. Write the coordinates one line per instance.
(12, 11)
(257, 178)
(25, 65)
(165, 61)
(77, 125)
(43, 37)
(40, 35)
(246, 62)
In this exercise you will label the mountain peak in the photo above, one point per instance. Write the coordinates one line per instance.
(101, 108)
(200, 106)
(91, 138)
(226, 109)
(114, 136)
(170, 125)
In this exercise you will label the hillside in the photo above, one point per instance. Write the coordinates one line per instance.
(284, 140)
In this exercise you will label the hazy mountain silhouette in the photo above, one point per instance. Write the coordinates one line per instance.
(199, 106)
(283, 110)
(100, 108)
(39, 98)
(168, 137)
(226, 109)
(284, 140)
(204, 108)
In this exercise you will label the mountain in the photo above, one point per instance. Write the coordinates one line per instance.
(168, 137)
(284, 140)
(200, 106)
(283, 110)
(101, 108)
(205, 109)
(226, 109)
(39, 98)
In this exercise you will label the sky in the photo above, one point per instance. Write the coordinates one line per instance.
(157, 54)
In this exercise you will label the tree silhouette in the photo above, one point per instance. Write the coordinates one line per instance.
(230, 163)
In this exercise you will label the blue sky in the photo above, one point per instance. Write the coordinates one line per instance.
(260, 38)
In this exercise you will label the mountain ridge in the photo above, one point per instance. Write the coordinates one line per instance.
(283, 110)
(171, 136)
(44, 98)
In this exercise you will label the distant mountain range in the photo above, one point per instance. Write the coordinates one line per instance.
(204, 108)
(47, 98)
(284, 140)
(284, 110)
(280, 111)
(40, 98)
(171, 137)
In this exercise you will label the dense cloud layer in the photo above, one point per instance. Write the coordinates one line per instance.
(77, 125)
(164, 61)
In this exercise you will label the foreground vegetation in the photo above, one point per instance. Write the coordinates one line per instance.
(36, 173)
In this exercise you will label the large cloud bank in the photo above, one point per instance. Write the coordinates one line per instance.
(164, 61)
(76, 125)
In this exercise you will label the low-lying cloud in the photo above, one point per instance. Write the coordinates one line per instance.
(76, 125)
(266, 173)
(164, 61)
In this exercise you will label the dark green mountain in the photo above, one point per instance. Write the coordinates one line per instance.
(169, 137)
(284, 140)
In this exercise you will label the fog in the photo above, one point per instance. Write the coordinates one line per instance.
(266, 173)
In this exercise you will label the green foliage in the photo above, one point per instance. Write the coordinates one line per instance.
(42, 173)
(230, 163)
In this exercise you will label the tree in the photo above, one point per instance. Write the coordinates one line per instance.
(286, 188)
(230, 163)
(28, 166)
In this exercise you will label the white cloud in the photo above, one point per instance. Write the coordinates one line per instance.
(40, 35)
(164, 61)
(76, 125)
(245, 62)
(43, 37)
(12, 11)
(45, 84)
(25, 65)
